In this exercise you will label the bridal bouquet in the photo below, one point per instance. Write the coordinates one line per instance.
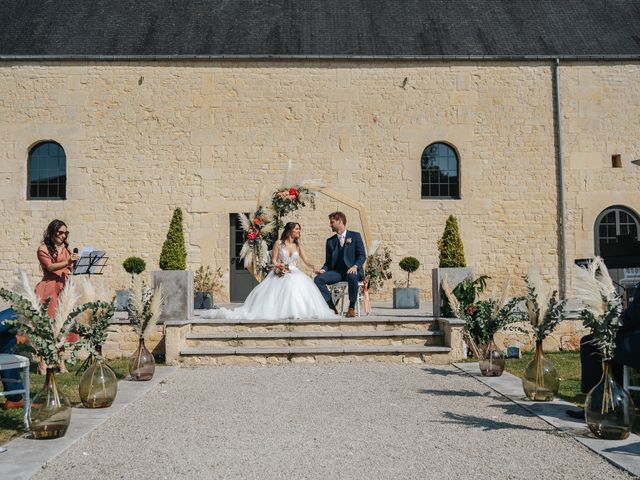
(281, 269)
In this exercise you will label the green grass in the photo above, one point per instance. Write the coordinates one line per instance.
(11, 420)
(568, 366)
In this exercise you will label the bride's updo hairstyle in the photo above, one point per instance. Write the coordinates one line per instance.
(288, 229)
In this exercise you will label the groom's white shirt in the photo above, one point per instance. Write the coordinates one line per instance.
(343, 237)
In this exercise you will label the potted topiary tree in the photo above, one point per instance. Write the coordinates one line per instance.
(452, 264)
(407, 297)
(133, 266)
(176, 281)
(205, 283)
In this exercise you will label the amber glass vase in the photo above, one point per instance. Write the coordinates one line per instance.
(492, 363)
(540, 381)
(142, 365)
(50, 413)
(98, 385)
(609, 410)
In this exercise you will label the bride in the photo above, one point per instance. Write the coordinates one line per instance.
(292, 295)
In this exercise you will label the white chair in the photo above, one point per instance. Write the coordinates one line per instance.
(9, 361)
(340, 290)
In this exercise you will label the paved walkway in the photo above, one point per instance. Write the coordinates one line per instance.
(326, 421)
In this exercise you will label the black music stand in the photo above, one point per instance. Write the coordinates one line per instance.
(90, 263)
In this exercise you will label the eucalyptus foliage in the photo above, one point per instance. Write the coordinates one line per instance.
(35, 323)
(93, 336)
(545, 314)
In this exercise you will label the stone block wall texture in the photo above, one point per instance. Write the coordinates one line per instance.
(144, 138)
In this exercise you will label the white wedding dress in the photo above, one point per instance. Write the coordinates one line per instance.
(294, 295)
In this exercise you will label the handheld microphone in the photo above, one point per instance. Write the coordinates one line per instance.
(75, 250)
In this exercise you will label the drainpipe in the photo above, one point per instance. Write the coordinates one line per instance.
(560, 163)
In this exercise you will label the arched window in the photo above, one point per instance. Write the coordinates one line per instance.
(47, 172)
(440, 169)
(616, 233)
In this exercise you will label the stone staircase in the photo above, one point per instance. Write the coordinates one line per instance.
(399, 337)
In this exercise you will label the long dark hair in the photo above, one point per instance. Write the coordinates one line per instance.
(288, 228)
(48, 238)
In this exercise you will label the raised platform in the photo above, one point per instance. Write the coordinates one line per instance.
(384, 335)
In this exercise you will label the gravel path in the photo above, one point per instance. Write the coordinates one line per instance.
(326, 421)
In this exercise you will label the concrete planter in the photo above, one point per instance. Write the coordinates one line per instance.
(122, 300)
(406, 298)
(454, 277)
(202, 300)
(178, 290)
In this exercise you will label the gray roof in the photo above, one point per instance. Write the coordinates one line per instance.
(332, 28)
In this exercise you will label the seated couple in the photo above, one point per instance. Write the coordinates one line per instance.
(294, 295)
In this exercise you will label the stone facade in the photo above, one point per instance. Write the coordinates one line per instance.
(144, 138)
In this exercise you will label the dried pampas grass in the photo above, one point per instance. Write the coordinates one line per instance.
(594, 290)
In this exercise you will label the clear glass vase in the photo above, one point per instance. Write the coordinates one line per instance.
(142, 365)
(609, 410)
(540, 381)
(492, 361)
(50, 412)
(98, 386)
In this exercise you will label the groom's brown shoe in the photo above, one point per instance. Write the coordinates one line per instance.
(351, 313)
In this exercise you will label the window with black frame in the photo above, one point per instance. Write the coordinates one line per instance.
(440, 172)
(47, 177)
(617, 233)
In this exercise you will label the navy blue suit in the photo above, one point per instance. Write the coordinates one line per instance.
(338, 259)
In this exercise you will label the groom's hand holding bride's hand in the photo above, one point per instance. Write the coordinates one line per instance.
(353, 270)
(318, 271)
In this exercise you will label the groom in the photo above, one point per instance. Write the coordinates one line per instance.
(345, 259)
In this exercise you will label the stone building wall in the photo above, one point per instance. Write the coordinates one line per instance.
(144, 138)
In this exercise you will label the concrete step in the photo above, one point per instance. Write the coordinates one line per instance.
(363, 324)
(387, 353)
(314, 338)
(313, 334)
(420, 319)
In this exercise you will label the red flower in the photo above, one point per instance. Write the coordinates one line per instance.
(252, 235)
(293, 191)
(258, 221)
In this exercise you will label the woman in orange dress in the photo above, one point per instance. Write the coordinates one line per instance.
(55, 261)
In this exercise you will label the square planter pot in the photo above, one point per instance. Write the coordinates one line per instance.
(454, 277)
(122, 300)
(406, 298)
(202, 301)
(178, 290)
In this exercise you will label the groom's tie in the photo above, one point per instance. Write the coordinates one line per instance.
(341, 240)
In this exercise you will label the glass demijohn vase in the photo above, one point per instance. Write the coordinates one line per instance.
(492, 363)
(609, 410)
(50, 412)
(540, 381)
(98, 386)
(142, 365)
